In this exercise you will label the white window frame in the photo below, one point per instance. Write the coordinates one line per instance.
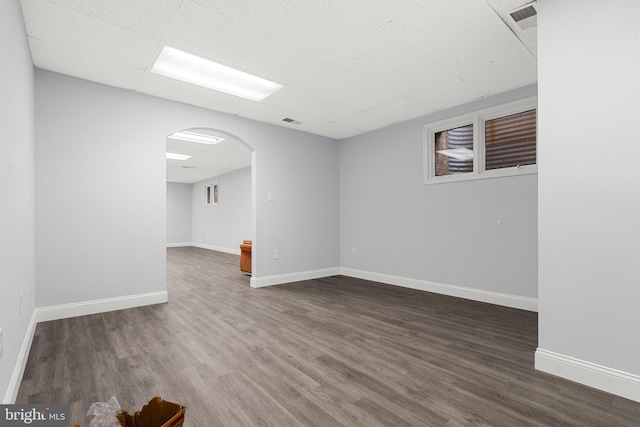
(214, 190)
(478, 120)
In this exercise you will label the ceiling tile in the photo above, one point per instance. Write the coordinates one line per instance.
(51, 23)
(290, 98)
(205, 33)
(263, 113)
(399, 110)
(503, 73)
(328, 111)
(380, 12)
(363, 121)
(383, 58)
(443, 94)
(148, 17)
(529, 38)
(100, 69)
(473, 40)
(403, 70)
(341, 86)
(320, 28)
(304, 106)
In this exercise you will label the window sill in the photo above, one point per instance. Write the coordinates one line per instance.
(472, 176)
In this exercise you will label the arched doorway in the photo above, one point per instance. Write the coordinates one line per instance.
(217, 169)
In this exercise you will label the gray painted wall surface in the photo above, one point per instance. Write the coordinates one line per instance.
(446, 233)
(589, 196)
(178, 212)
(101, 190)
(100, 193)
(228, 223)
(17, 268)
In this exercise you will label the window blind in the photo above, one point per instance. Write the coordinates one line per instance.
(510, 141)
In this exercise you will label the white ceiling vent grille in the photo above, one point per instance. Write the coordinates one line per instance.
(526, 16)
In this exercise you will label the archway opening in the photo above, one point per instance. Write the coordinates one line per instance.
(210, 191)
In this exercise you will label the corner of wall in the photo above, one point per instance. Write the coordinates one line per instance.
(21, 363)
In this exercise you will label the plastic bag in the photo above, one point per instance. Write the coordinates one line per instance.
(105, 414)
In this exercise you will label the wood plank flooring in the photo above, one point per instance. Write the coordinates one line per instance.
(329, 352)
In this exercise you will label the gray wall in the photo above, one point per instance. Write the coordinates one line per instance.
(178, 212)
(446, 233)
(100, 193)
(17, 271)
(228, 223)
(589, 193)
(101, 190)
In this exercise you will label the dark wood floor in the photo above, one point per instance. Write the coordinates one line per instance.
(329, 352)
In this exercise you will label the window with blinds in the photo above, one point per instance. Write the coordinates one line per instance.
(510, 141)
(495, 142)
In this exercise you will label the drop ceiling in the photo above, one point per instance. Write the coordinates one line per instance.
(206, 161)
(347, 66)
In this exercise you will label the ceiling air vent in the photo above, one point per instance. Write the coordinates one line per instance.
(526, 16)
(288, 120)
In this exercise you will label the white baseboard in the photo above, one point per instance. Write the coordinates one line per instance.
(507, 300)
(279, 279)
(84, 308)
(217, 248)
(179, 245)
(205, 246)
(18, 371)
(601, 377)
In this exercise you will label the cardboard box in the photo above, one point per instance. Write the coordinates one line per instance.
(157, 413)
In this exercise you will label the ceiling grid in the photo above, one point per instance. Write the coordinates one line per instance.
(347, 66)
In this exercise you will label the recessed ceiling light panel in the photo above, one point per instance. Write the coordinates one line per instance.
(196, 137)
(180, 65)
(174, 156)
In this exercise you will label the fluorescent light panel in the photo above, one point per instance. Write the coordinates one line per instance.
(196, 137)
(180, 65)
(174, 156)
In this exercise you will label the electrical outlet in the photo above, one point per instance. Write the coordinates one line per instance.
(276, 254)
(1, 343)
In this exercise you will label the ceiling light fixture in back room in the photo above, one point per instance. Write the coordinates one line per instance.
(200, 138)
(176, 156)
